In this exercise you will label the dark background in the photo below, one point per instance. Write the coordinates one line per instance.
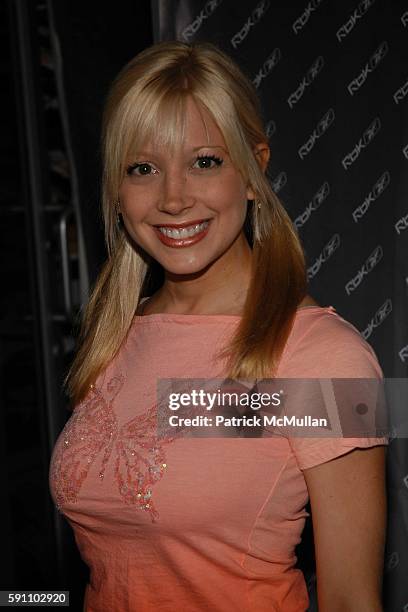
(333, 84)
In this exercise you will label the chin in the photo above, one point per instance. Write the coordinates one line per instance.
(183, 262)
(183, 268)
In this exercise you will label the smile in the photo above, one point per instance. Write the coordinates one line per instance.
(184, 232)
(183, 236)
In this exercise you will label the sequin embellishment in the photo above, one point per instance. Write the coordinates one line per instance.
(92, 434)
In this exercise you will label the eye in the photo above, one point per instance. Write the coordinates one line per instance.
(140, 169)
(207, 161)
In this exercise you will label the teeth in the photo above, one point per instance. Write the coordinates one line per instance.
(185, 232)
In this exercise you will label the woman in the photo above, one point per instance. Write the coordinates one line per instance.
(205, 279)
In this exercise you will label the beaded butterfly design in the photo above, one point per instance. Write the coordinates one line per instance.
(92, 434)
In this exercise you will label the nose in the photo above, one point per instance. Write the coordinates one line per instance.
(175, 196)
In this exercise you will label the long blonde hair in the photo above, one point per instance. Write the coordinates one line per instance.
(147, 101)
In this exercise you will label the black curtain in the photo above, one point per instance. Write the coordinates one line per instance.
(92, 43)
(333, 83)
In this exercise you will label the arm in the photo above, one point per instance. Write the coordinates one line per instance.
(348, 503)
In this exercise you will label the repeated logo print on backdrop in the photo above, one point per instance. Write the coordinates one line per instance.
(307, 80)
(334, 91)
(370, 66)
(321, 128)
(379, 188)
(367, 137)
(256, 15)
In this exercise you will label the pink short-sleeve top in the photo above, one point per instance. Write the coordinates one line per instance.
(195, 524)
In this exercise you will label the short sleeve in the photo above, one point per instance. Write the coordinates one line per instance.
(328, 347)
(310, 452)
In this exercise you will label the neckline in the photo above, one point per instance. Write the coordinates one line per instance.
(167, 316)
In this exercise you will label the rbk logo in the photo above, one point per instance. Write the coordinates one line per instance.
(401, 93)
(256, 15)
(401, 224)
(378, 55)
(323, 125)
(371, 65)
(372, 131)
(279, 182)
(403, 355)
(351, 22)
(310, 76)
(270, 128)
(371, 262)
(192, 28)
(267, 67)
(314, 204)
(393, 561)
(327, 252)
(305, 16)
(381, 314)
(381, 185)
(365, 140)
(379, 188)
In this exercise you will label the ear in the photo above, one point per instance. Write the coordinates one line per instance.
(262, 154)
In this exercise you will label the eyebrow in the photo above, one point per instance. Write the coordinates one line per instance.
(206, 146)
(210, 146)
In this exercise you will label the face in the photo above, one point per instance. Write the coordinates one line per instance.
(186, 207)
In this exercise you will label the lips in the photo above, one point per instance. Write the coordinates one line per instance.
(183, 234)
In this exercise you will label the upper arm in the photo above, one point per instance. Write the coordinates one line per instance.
(348, 503)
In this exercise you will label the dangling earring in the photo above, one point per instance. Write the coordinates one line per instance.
(256, 219)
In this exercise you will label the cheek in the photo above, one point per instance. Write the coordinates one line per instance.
(229, 193)
(235, 202)
(143, 193)
(134, 205)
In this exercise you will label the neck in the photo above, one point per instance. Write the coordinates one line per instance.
(220, 288)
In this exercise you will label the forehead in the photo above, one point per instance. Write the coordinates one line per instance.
(188, 125)
(199, 125)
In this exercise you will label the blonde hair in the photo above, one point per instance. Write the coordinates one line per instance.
(147, 102)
